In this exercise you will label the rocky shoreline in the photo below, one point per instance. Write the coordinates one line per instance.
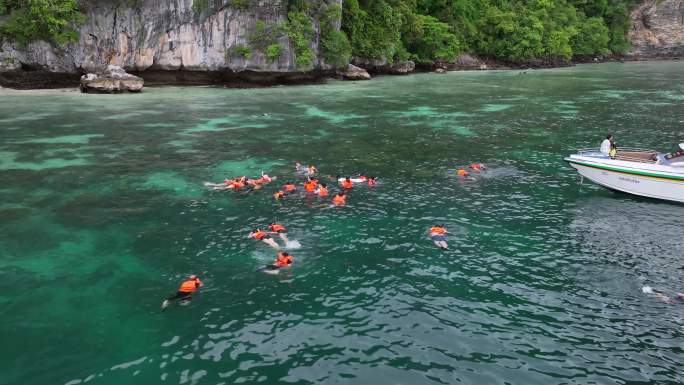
(177, 43)
(37, 79)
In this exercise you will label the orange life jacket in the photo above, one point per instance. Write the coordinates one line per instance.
(310, 186)
(322, 192)
(347, 184)
(339, 200)
(289, 187)
(238, 185)
(276, 227)
(258, 235)
(190, 286)
(278, 195)
(283, 260)
(371, 182)
(437, 230)
(462, 172)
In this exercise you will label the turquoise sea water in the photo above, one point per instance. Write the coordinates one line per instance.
(103, 213)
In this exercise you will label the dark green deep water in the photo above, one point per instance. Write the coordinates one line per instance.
(102, 213)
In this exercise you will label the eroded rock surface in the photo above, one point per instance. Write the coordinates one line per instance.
(353, 72)
(658, 29)
(113, 80)
(169, 35)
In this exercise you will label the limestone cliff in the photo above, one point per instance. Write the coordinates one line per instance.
(189, 35)
(658, 29)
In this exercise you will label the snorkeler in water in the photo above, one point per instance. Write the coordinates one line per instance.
(229, 184)
(280, 230)
(289, 188)
(347, 183)
(310, 185)
(438, 235)
(283, 259)
(263, 236)
(184, 293)
(661, 295)
(340, 199)
(322, 190)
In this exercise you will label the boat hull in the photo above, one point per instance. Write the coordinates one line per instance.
(645, 182)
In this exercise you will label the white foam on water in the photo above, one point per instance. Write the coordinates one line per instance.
(292, 245)
(647, 290)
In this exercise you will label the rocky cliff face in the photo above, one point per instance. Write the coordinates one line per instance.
(167, 35)
(658, 29)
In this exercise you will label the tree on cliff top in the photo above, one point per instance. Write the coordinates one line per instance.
(24, 21)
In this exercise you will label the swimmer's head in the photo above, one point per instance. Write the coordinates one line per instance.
(341, 193)
(324, 185)
(347, 179)
(193, 276)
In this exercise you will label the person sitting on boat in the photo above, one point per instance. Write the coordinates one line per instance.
(676, 154)
(606, 145)
(613, 150)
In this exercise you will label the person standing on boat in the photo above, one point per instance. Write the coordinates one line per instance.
(607, 144)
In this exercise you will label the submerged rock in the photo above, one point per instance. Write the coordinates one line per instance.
(353, 72)
(113, 80)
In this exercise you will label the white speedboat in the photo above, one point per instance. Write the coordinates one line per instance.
(635, 171)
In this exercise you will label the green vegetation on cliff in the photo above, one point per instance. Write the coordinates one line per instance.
(51, 20)
(515, 30)
(425, 31)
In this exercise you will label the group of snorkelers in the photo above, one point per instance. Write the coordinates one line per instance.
(283, 259)
(438, 232)
(466, 172)
(314, 186)
(238, 183)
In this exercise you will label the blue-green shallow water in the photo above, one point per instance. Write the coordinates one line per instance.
(103, 213)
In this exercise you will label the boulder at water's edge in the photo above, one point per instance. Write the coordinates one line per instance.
(353, 72)
(113, 80)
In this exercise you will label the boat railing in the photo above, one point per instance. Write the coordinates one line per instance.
(630, 154)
